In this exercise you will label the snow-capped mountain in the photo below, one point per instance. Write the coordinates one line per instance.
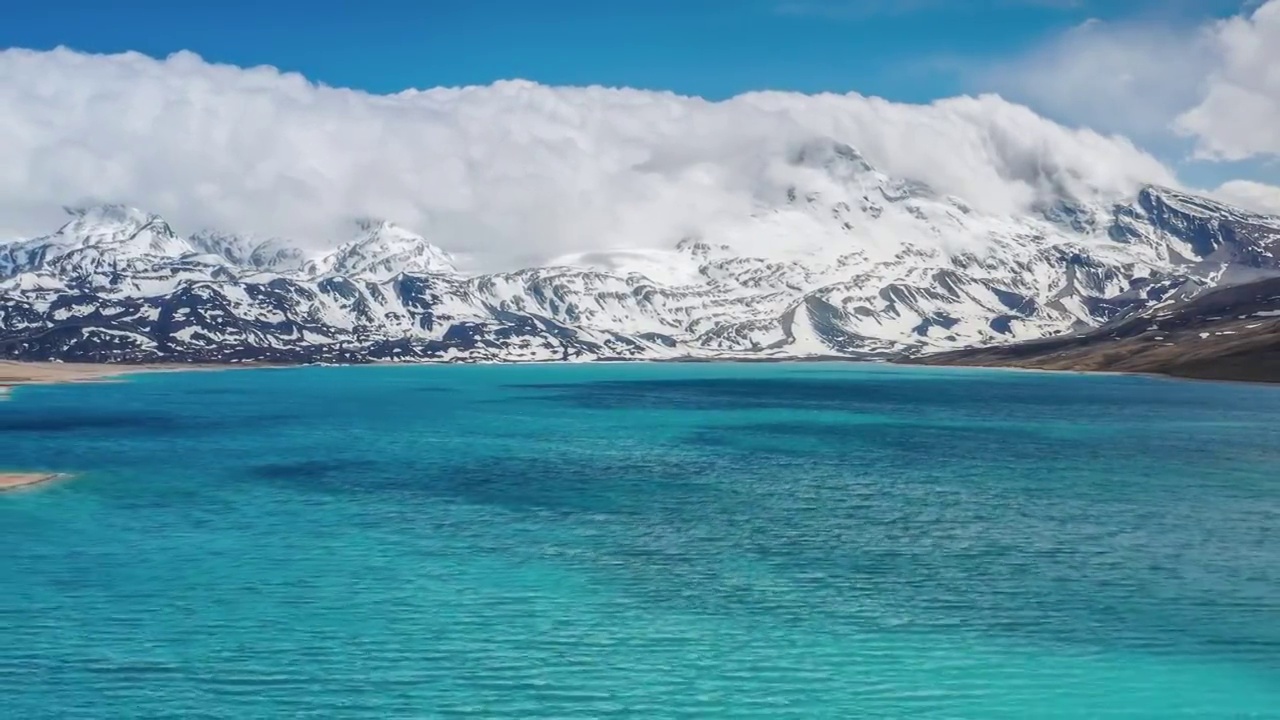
(97, 241)
(382, 251)
(845, 260)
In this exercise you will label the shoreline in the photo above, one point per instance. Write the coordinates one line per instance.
(17, 373)
(1173, 373)
(10, 481)
(14, 374)
(1149, 374)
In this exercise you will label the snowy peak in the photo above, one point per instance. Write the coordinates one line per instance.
(382, 251)
(1154, 198)
(1198, 229)
(251, 252)
(98, 240)
(837, 158)
(107, 214)
(858, 181)
(127, 229)
(372, 224)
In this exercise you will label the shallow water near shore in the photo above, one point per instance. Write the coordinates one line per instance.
(709, 540)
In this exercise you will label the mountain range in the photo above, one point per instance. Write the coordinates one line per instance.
(851, 262)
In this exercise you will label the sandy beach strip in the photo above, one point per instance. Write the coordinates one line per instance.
(39, 373)
(14, 373)
(15, 481)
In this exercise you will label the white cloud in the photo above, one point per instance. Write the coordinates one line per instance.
(1238, 116)
(1163, 82)
(1210, 91)
(1255, 196)
(1126, 77)
(509, 173)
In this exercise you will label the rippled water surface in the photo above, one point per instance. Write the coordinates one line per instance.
(808, 540)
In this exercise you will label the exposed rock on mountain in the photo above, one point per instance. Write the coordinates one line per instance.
(1229, 333)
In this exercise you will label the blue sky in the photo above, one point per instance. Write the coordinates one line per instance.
(911, 50)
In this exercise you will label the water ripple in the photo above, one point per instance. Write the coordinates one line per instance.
(644, 541)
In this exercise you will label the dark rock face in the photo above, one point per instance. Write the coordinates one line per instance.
(1211, 230)
(1231, 333)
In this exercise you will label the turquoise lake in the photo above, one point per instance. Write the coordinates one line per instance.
(642, 541)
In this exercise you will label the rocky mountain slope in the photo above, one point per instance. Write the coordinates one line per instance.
(846, 261)
(1230, 333)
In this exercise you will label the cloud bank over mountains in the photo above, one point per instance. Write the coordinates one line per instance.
(1216, 85)
(516, 173)
(1239, 114)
